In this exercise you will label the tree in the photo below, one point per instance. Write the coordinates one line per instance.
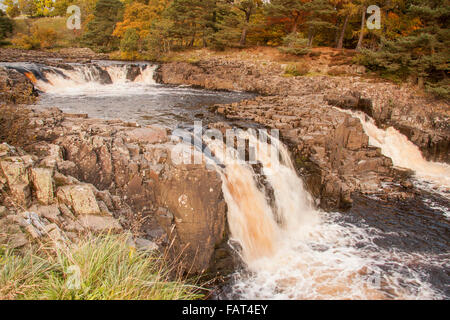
(12, 8)
(99, 30)
(422, 54)
(318, 13)
(6, 25)
(28, 7)
(192, 19)
(140, 17)
(291, 9)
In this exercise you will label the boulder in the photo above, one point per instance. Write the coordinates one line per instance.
(43, 184)
(100, 224)
(147, 135)
(80, 198)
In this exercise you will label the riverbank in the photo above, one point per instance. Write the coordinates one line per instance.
(184, 205)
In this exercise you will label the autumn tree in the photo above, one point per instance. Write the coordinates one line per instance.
(99, 31)
(291, 9)
(423, 54)
(12, 8)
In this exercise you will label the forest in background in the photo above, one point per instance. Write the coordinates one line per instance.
(412, 43)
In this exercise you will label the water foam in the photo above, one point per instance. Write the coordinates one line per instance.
(293, 251)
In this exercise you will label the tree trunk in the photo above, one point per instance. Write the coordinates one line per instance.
(295, 25)
(310, 37)
(243, 37)
(245, 29)
(341, 38)
(361, 34)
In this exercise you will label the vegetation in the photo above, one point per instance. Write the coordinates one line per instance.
(103, 268)
(6, 25)
(411, 44)
(99, 30)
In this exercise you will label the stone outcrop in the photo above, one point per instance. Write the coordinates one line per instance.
(182, 204)
(424, 120)
(32, 210)
(329, 148)
(15, 88)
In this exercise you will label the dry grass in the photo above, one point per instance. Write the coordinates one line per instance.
(102, 268)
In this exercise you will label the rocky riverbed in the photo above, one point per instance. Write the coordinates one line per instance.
(82, 174)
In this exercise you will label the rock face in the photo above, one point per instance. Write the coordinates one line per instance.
(185, 202)
(32, 210)
(192, 210)
(425, 121)
(15, 88)
(330, 149)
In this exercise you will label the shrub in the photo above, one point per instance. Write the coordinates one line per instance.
(296, 69)
(39, 38)
(103, 268)
(45, 36)
(295, 44)
(26, 42)
(6, 25)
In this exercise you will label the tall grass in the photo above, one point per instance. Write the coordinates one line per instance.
(102, 268)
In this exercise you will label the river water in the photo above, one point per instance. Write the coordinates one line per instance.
(289, 248)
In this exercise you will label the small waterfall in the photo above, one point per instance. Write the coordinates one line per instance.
(294, 251)
(88, 79)
(404, 153)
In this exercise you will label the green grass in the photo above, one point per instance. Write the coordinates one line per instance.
(102, 268)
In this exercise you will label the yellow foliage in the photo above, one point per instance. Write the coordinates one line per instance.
(140, 17)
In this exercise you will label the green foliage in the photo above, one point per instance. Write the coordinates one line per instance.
(99, 30)
(6, 25)
(103, 268)
(293, 43)
(192, 20)
(423, 54)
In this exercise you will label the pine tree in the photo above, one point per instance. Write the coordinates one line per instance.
(319, 11)
(192, 20)
(99, 31)
(423, 54)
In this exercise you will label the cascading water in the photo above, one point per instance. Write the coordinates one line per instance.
(403, 152)
(293, 251)
(119, 90)
(290, 249)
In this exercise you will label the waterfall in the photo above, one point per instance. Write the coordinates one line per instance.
(91, 79)
(404, 153)
(290, 249)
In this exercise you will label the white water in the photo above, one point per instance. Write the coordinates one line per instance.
(405, 154)
(294, 251)
(85, 80)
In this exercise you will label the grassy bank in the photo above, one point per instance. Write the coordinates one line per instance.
(103, 268)
(63, 37)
